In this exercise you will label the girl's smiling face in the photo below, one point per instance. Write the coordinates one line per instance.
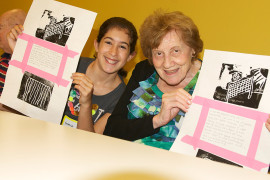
(113, 51)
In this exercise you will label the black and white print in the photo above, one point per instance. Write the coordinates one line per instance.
(35, 91)
(55, 28)
(209, 156)
(241, 85)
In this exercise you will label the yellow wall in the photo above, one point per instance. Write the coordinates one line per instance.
(231, 25)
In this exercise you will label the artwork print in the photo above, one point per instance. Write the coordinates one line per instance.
(226, 121)
(241, 85)
(55, 28)
(35, 90)
(46, 54)
(209, 156)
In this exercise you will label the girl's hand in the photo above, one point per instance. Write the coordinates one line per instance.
(85, 87)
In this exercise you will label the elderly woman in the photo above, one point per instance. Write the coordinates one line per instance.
(156, 98)
(159, 91)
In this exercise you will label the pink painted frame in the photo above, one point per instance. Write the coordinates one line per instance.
(249, 159)
(54, 47)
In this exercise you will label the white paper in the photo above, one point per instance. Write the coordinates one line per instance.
(45, 56)
(225, 122)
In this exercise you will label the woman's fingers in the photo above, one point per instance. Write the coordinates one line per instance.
(172, 103)
(181, 96)
(176, 103)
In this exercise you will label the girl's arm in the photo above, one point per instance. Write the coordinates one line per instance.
(85, 87)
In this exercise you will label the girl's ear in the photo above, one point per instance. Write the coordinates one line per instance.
(96, 45)
(131, 56)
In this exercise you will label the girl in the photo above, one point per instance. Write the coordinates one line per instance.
(97, 83)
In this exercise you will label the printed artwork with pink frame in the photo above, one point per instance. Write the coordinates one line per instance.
(46, 54)
(226, 121)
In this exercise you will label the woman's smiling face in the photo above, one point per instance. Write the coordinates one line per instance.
(172, 59)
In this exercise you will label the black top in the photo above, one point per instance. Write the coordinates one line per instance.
(118, 124)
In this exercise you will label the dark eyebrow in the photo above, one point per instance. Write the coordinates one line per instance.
(120, 41)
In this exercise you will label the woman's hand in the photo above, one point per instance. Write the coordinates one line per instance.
(85, 87)
(267, 124)
(12, 36)
(172, 103)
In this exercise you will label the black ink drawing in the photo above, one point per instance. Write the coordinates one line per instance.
(241, 85)
(208, 156)
(35, 90)
(54, 29)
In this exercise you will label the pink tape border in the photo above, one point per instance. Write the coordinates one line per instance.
(54, 47)
(248, 160)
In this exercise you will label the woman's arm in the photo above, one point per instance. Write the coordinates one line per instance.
(118, 125)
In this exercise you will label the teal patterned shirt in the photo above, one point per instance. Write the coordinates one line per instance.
(146, 100)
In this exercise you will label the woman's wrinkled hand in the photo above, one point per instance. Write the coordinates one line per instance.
(172, 103)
